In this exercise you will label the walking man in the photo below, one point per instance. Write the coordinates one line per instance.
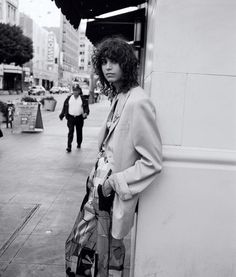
(75, 109)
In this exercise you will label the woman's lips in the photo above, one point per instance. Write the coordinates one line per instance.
(109, 74)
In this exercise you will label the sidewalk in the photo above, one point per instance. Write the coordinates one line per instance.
(42, 187)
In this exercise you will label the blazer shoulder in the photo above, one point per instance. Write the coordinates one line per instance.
(140, 101)
(138, 96)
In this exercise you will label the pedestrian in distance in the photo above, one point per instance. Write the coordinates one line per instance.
(1, 119)
(129, 160)
(75, 110)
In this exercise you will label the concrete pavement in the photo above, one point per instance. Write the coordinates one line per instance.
(41, 188)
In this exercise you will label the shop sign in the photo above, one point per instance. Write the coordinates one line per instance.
(51, 48)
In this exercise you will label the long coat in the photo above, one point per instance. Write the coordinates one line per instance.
(137, 155)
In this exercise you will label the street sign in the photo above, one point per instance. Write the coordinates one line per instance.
(30, 117)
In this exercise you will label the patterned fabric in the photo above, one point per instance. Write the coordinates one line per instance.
(90, 246)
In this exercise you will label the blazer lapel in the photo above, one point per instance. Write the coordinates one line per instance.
(118, 112)
(103, 132)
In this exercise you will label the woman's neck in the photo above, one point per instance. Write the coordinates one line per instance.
(117, 86)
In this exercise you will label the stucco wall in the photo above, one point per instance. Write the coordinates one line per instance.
(187, 218)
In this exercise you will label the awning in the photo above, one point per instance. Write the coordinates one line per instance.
(75, 10)
(8, 68)
(120, 25)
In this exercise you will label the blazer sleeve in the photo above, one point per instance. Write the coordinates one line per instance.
(147, 143)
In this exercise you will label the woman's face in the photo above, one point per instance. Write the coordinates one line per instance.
(112, 71)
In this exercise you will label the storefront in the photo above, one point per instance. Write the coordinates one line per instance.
(12, 77)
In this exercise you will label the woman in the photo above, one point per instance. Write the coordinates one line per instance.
(129, 160)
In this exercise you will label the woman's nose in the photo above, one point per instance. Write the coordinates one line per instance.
(108, 65)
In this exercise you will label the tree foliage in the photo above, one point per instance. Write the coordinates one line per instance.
(15, 47)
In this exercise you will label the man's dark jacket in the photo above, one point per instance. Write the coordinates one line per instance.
(65, 109)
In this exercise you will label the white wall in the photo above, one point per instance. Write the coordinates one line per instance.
(187, 218)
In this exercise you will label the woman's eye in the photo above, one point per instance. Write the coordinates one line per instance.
(103, 62)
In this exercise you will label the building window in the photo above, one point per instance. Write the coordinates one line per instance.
(11, 13)
(14, 15)
(8, 11)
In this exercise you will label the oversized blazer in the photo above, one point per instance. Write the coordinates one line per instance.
(137, 154)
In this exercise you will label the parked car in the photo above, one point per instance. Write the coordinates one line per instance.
(55, 90)
(37, 90)
(65, 89)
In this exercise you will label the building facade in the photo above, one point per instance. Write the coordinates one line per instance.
(9, 12)
(44, 65)
(11, 76)
(85, 51)
(26, 24)
(69, 44)
(45, 60)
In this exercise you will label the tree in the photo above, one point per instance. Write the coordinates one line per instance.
(15, 47)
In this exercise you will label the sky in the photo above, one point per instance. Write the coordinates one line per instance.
(46, 13)
(43, 12)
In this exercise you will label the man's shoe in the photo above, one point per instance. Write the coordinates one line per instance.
(78, 145)
(68, 150)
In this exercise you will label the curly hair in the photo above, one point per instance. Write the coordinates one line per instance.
(117, 50)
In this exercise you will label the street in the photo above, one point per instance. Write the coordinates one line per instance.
(41, 191)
